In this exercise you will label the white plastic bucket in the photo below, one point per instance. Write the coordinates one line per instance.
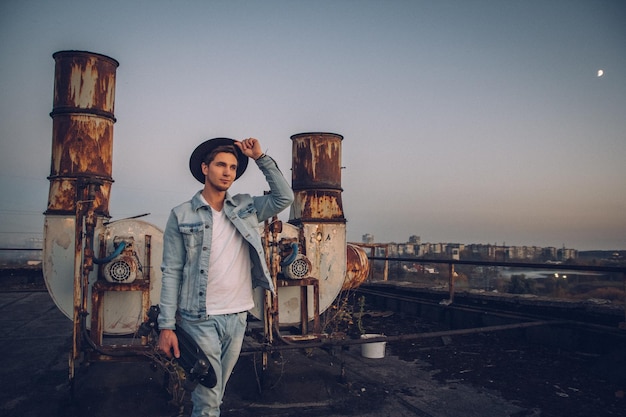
(373, 350)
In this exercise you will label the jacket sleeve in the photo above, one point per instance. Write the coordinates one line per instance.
(280, 196)
(172, 272)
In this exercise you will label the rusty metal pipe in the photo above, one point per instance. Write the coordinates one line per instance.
(316, 177)
(82, 129)
(357, 269)
(403, 338)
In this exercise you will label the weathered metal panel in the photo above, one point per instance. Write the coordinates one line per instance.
(82, 129)
(84, 80)
(82, 150)
(62, 197)
(358, 267)
(82, 144)
(315, 157)
(325, 246)
(123, 311)
(316, 177)
(318, 205)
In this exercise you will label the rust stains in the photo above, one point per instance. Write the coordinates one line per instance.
(84, 80)
(82, 130)
(357, 267)
(317, 160)
(311, 205)
(316, 177)
(82, 145)
(64, 192)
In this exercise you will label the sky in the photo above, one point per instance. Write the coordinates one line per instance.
(464, 121)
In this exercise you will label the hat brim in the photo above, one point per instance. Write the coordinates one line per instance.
(198, 155)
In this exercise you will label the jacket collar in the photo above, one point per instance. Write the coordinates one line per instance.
(197, 202)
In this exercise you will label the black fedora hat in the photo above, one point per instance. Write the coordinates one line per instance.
(198, 155)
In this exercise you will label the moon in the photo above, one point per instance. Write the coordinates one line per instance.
(600, 73)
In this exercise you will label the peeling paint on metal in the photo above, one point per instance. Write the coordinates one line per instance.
(358, 267)
(316, 177)
(82, 130)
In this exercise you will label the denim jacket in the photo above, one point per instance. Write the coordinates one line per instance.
(187, 244)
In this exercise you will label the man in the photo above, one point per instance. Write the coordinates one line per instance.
(213, 256)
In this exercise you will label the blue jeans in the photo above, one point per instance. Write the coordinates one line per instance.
(220, 337)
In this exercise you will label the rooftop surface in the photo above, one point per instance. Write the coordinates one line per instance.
(36, 341)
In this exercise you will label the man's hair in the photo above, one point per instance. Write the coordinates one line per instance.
(219, 149)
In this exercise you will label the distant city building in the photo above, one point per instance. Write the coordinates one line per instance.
(415, 239)
(564, 254)
(403, 249)
(453, 250)
(367, 238)
(457, 251)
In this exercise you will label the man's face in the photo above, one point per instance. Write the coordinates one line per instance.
(221, 172)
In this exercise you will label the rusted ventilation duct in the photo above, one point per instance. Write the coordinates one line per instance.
(76, 227)
(358, 267)
(316, 178)
(318, 220)
(318, 209)
(82, 129)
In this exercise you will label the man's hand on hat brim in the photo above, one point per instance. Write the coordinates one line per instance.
(250, 147)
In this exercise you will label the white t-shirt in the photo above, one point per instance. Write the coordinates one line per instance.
(229, 286)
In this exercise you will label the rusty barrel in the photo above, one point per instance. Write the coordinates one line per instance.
(82, 129)
(316, 177)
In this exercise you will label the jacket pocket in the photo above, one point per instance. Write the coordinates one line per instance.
(246, 211)
(192, 233)
(248, 215)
